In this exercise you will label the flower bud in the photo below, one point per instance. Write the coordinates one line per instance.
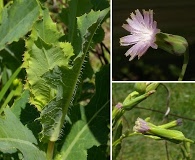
(134, 98)
(130, 97)
(119, 105)
(152, 86)
(16, 82)
(141, 126)
(140, 87)
(173, 44)
(160, 132)
(172, 124)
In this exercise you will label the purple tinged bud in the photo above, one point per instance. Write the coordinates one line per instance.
(179, 122)
(141, 126)
(119, 105)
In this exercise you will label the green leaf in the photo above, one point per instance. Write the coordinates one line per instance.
(92, 130)
(46, 29)
(76, 8)
(20, 103)
(99, 123)
(40, 59)
(77, 142)
(51, 79)
(88, 25)
(14, 136)
(17, 20)
(53, 115)
(64, 81)
(44, 53)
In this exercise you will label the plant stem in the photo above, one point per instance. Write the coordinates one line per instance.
(118, 141)
(9, 97)
(50, 149)
(9, 82)
(185, 63)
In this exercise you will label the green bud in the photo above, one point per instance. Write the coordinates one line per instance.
(16, 82)
(152, 86)
(140, 87)
(116, 114)
(131, 101)
(172, 124)
(130, 97)
(173, 44)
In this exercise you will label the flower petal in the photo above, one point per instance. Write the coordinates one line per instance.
(143, 30)
(128, 40)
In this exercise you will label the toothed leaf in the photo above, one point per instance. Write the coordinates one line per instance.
(46, 29)
(52, 117)
(92, 22)
(51, 78)
(69, 15)
(40, 59)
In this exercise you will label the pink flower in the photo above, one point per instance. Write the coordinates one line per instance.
(143, 32)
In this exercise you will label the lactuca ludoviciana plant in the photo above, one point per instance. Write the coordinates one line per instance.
(53, 64)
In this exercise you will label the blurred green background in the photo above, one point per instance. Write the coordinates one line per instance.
(182, 103)
(175, 17)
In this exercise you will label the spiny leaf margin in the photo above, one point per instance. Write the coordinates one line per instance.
(52, 117)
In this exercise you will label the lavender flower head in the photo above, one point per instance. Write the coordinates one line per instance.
(143, 32)
(141, 126)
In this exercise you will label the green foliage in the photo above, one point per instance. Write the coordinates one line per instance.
(15, 136)
(87, 132)
(16, 22)
(20, 103)
(51, 79)
(47, 60)
(181, 104)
